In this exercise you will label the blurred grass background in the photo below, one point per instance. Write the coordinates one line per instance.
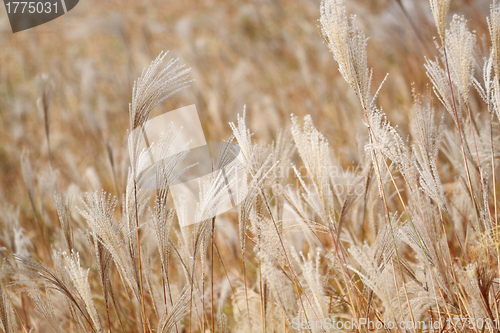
(267, 55)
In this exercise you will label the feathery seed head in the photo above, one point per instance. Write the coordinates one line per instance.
(156, 84)
(494, 27)
(348, 46)
(460, 43)
(439, 11)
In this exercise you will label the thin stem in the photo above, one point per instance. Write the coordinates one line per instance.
(457, 121)
(137, 235)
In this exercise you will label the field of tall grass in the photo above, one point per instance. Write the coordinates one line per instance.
(368, 133)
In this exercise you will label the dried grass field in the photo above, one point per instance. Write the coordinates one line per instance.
(369, 133)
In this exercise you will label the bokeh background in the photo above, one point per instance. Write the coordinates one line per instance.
(267, 55)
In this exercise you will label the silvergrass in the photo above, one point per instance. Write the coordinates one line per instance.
(406, 231)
